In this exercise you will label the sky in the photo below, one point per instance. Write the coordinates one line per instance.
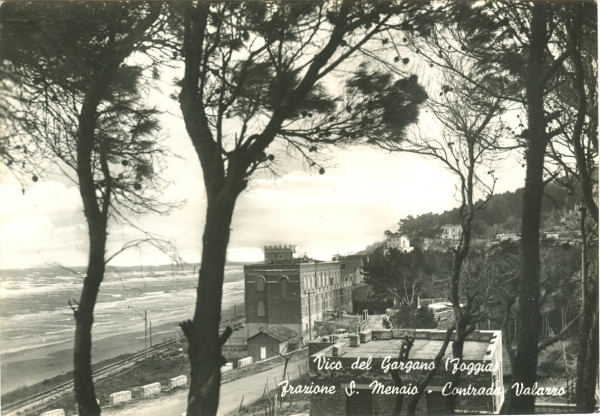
(363, 192)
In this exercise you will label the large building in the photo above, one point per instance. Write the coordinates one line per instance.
(293, 292)
(376, 352)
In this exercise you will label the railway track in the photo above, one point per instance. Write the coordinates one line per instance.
(29, 404)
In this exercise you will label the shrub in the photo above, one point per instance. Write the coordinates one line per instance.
(409, 316)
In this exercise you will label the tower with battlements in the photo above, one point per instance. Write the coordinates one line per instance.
(279, 254)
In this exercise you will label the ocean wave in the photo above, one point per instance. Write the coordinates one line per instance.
(25, 347)
(168, 296)
(22, 290)
(60, 331)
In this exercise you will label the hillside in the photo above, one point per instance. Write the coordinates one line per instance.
(501, 215)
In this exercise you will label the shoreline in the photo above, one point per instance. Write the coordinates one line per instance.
(34, 365)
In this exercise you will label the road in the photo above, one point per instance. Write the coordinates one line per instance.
(251, 387)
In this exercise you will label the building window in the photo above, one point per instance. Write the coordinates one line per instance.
(260, 310)
(260, 284)
(284, 286)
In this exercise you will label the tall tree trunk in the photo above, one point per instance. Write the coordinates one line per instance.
(586, 402)
(462, 317)
(457, 352)
(96, 217)
(413, 400)
(84, 319)
(461, 320)
(587, 359)
(587, 364)
(403, 352)
(529, 320)
(204, 340)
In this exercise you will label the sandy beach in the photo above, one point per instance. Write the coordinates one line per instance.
(34, 365)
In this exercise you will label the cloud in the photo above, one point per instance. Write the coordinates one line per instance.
(45, 224)
(363, 192)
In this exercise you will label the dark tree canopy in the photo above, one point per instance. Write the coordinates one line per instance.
(52, 55)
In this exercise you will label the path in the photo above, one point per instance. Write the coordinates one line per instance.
(251, 387)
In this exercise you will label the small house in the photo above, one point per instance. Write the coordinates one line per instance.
(398, 241)
(451, 231)
(270, 342)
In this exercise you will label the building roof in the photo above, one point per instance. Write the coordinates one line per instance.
(436, 306)
(426, 345)
(450, 226)
(281, 248)
(280, 333)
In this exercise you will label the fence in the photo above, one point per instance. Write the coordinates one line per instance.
(429, 301)
(554, 408)
(120, 397)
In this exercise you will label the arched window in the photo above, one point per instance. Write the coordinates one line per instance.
(260, 309)
(284, 286)
(260, 284)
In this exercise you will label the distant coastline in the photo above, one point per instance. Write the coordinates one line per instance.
(37, 324)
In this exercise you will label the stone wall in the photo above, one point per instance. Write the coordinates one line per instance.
(150, 389)
(264, 364)
(243, 362)
(55, 412)
(120, 397)
(178, 381)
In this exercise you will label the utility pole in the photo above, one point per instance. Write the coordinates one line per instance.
(145, 329)
(145, 316)
(308, 293)
(309, 320)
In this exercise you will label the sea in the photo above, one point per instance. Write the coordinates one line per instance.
(34, 303)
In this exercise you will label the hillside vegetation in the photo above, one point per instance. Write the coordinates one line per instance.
(501, 215)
